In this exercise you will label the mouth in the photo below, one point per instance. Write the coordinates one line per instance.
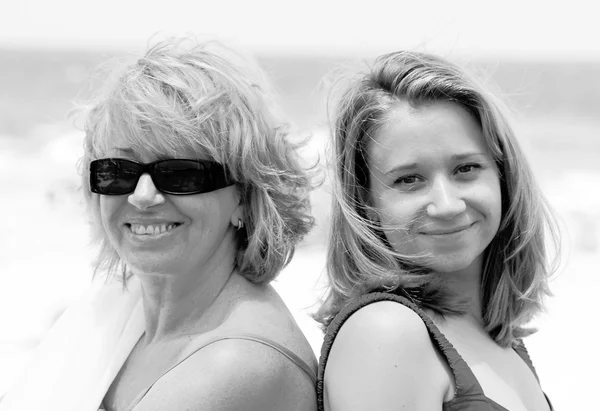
(447, 232)
(151, 229)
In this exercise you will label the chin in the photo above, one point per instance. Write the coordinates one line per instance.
(451, 264)
(148, 266)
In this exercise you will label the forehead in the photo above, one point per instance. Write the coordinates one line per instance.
(147, 147)
(428, 133)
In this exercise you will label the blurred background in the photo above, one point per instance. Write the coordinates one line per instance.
(543, 58)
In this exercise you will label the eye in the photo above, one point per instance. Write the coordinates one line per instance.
(468, 168)
(408, 182)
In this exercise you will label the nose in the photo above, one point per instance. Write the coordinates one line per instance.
(446, 201)
(146, 194)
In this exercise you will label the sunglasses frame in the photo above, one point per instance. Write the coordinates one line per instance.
(149, 168)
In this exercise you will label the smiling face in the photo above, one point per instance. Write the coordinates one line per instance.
(158, 233)
(434, 186)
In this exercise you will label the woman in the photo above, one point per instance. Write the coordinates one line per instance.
(437, 254)
(198, 201)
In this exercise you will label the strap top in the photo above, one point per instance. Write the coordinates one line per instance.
(293, 357)
(468, 394)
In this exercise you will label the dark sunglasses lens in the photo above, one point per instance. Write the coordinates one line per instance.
(114, 176)
(185, 176)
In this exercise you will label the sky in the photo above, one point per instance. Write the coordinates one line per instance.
(520, 27)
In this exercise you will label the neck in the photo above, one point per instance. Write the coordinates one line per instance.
(174, 305)
(185, 302)
(468, 283)
(187, 299)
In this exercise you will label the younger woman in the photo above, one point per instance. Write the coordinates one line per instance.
(437, 258)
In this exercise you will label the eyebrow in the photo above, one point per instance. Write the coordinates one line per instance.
(466, 155)
(412, 166)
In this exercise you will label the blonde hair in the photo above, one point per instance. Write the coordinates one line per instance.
(183, 96)
(359, 260)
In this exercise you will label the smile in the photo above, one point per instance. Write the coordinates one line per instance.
(151, 229)
(447, 232)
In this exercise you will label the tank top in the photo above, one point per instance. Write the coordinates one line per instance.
(469, 395)
(286, 352)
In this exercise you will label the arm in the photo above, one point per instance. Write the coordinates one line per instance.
(233, 375)
(383, 359)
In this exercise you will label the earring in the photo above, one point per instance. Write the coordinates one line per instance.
(240, 224)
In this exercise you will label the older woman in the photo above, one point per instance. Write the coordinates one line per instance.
(437, 259)
(198, 201)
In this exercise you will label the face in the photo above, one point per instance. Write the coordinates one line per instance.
(155, 232)
(434, 187)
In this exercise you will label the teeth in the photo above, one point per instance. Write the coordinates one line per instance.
(151, 229)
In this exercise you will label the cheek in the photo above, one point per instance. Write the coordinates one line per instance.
(493, 200)
(107, 210)
(203, 212)
(397, 215)
(397, 211)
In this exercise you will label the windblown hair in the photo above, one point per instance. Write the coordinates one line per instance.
(360, 260)
(182, 96)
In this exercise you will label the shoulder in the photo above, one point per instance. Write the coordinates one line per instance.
(266, 314)
(232, 374)
(385, 328)
(383, 358)
(385, 315)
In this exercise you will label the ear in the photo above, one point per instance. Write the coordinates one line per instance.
(239, 213)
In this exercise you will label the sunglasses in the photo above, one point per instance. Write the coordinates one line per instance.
(117, 176)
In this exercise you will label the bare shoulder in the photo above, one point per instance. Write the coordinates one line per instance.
(383, 358)
(389, 317)
(232, 375)
(262, 311)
